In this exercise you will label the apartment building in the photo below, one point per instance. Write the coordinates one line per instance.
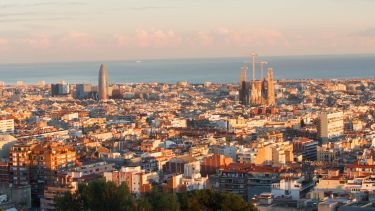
(137, 180)
(331, 125)
(6, 125)
(246, 180)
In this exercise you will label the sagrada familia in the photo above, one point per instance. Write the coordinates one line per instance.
(257, 92)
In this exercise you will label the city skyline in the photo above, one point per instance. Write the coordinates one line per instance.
(216, 70)
(206, 105)
(53, 31)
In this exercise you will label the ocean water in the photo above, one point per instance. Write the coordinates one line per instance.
(218, 70)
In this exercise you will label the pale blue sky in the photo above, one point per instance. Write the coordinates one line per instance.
(70, 30)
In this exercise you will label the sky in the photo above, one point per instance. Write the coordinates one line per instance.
(91, 30)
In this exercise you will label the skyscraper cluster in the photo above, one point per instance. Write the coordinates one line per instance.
(257, 92)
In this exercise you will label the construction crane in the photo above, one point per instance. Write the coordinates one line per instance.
(262, 63)
(253, 56)
(253, 62)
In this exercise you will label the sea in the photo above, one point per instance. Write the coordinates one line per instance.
(216, 70)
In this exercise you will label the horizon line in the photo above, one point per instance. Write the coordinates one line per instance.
(183, 58)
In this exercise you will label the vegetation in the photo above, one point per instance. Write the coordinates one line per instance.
(100, 195)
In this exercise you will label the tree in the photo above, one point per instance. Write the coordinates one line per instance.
(100, 195)
(68, 201)
(161, 201)
(212, 200)
(143, 205)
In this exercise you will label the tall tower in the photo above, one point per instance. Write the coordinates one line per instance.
(242, 89)
(102, 83)
(270, 88)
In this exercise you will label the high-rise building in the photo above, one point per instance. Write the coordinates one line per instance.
(305, 147)
(243, 95)
(270, 88)
(331, 125)
(60, 88)
(37, 164)
(83, 91)
(103, 84)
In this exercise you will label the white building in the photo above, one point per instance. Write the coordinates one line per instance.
(246, 155)
(331, 125)
(89, 169)
(70, 116)
(6, 142)
(6, 125)
(294, 188)
(191, 178)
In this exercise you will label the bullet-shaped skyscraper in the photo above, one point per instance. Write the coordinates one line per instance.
(103, 86)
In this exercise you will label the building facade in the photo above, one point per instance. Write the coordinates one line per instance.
(331, 125)
(6, 125)
(257, 92)
(103, 83)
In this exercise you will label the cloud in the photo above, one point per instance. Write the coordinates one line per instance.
(157, 38)
(4, 46)
(11, 20)
(2, 15)
(369, 32)
(77, 40)
(148, 38)
(151, 8)
(205, 38)
(251, 37)
(3, 41)
(73, 40)
(215, 38)
(39, 41)
(59, 3)
(162, 42)
(42, 4)
(120, 40)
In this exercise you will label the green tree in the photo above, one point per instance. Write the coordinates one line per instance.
(213, 200)
(162, 201)
(68, 202)
(101, 195)
(98, 195)
(143, 205)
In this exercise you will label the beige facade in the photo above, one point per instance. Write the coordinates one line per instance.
(6, 125)
(331, 124)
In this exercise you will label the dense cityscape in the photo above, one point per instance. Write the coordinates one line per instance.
(277, 144)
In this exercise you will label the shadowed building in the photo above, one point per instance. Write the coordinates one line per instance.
(103, 86)
(84, 91)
